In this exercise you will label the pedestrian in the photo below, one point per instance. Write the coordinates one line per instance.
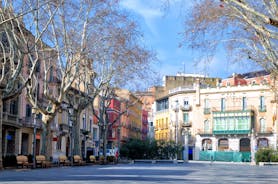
(117, 155)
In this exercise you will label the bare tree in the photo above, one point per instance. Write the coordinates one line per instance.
(116, 58)
(14, 55)
(246, 28)
(62, 27)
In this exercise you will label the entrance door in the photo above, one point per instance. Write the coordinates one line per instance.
(24, 145)
(245, 145)
(190, 153)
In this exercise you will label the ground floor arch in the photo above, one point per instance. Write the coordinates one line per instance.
(244, 145)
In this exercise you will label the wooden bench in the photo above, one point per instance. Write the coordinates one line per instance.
(42, 162)
(63, 160)
(77, 160)
(22, 161)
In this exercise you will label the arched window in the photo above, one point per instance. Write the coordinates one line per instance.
(206, 144)
(223, 144)
(262, 125)
(206, 126)
(262, 143)
(245, 145)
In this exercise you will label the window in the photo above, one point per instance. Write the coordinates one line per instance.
(38, 90)
(162, 104)
(51, 78)
(244, 103)
(206, 126)
(113, 133)
(14, 107)
(186, 103)
(59, 143)
(223, 144)
(38, 67)
(84, 121)
(95, 137)
(206, 107)
(206, 103)
(262, 143)
(28, 110)
(245, 145)
(262, 125)
(91, 122)
(206, 144)
(185, 117)
(223, 104)
(262, 104)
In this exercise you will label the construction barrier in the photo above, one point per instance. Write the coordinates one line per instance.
(225, 156)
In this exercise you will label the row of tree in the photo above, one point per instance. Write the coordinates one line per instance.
(71, 52)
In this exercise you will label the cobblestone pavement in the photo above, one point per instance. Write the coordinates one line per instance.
(144, 173)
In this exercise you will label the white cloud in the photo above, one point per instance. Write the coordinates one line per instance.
(145, 10)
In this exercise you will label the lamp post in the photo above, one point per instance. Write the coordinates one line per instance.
(176, 110)
(185, 150)
(253, 147)
(119, 142)
(70, 113)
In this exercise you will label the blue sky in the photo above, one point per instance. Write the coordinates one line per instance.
(162, 30)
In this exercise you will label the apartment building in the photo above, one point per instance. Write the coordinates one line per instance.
(236, 119)
(169, 99)
(228, 122)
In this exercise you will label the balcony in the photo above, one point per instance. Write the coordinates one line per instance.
(11, 119)
(265, 131)
(206, 110)
(186, 124)
(262, 108)
(182, 89)
(185, 107)
(29, 122)
(64, 128)
(204, 132)
(233, 121)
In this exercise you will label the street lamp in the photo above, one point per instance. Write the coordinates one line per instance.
(185, 133)
(119, 142)
(176, 110)
(70, 113)
(253, 146)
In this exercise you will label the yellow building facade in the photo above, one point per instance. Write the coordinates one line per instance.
(162, 130)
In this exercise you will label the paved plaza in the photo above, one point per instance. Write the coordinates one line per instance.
(145, 173)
